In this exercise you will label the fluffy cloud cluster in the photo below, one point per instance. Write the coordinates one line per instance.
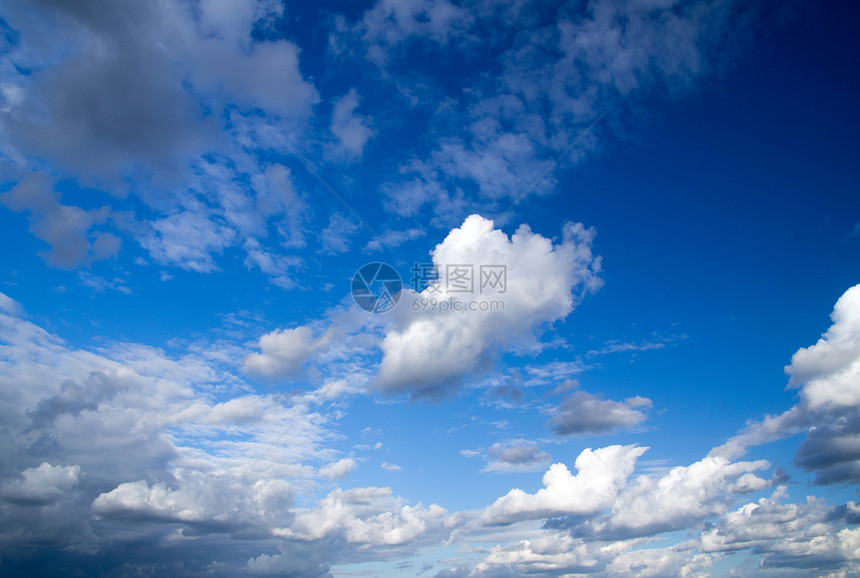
(203, 126)
(129, 437)
(427, 347)
(284, 352)
(187, 107)
(435, 337)
(829, 371)
(130, 98)
(600, 475)
(364, 516)
(597, 520)
(789, 535)
(828, 376)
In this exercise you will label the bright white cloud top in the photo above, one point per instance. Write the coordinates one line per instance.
(192, 382)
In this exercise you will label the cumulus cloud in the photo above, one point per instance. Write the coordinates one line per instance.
(41, 485)
(828, 372)
(339, 469)
(584, 413)
(600, 475)
(364, 515)
(685, 496)
(810, 535)
(828, 377)
(284, 352)
(133, 436)
(600, 520)
(557, 553)
(425, 351)
(200, 502)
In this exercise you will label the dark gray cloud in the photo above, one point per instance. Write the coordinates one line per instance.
(73, 399)
(127, 98)
(116, 102)
(832, 449)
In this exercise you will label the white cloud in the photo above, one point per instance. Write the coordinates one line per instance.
(656, 562)
(285, 351)
(351, 129)
(829, 371)
(391, 22)
(683, 497)
(424, 351)
(554, 553)
(809, 535)
(200, 500)
(188, 239)
(828, 376)
(42, 484)
(147, 439)
(339, 469)
(600, 476)
(365, 516)
(337, 235)
(533, 110)
(392, 239)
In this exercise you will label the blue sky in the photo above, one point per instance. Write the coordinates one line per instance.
(667, 383)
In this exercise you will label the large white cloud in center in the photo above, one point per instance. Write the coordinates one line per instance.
(427, 346)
